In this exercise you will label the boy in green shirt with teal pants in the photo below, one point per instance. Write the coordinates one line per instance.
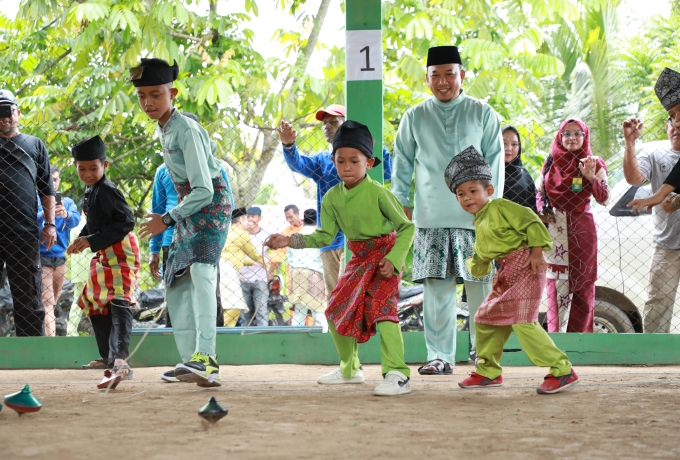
(201, 222)
(379, 235)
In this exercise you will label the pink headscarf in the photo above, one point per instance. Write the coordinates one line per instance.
(564, 169)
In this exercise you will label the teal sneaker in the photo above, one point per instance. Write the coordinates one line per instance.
(202, 370)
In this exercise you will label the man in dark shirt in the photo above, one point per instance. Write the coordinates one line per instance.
(24, 166)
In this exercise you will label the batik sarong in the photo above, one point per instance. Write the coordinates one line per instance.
(441, 253)
(200, 237)
(363, 297)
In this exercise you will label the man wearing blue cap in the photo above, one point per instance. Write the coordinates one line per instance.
(254, 277)
(430, 135)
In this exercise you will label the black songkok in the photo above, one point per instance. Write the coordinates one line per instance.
(667, 88)
(354, 134)
(438, 55)
(89, 149)
(238, 212)
(153, 72)
(467, 166)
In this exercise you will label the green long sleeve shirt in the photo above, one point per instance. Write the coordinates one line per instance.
(189, 155)
(364, 212)
(503, 227)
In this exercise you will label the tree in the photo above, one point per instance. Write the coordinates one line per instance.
(68, 61)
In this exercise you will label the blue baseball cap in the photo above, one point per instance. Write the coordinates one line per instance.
(254, 210)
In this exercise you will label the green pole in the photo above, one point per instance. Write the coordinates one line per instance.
(363, 70)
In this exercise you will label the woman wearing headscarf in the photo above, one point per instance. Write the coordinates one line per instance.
(519, 186)
(570, 178)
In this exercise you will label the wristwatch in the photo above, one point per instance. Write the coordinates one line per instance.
(51, 224)
(167, 219)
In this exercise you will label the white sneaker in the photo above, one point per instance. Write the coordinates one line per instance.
(395, 383)
(336, 378)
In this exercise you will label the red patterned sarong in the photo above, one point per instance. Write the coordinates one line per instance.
(362, 296)
(113, 275)
(515, 293)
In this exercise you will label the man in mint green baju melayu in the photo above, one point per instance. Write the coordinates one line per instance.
(430, 135)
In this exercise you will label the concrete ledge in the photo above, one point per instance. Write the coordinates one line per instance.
(316, 348)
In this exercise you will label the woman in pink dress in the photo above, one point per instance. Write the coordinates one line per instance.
(570, 178)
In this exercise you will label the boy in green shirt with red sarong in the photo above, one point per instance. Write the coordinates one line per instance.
(379, 235)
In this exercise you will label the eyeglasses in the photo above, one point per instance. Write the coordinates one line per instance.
(577, 134)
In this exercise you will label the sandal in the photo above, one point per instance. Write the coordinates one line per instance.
(123, 367)
(110, 381)
(97, 364)
(440, 366)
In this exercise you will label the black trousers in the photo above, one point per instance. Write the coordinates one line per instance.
(112, 331)
(21, 253)
(220, 310)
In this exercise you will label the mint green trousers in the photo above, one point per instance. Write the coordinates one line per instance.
(391, 350)
(192, 306)
(535, 342)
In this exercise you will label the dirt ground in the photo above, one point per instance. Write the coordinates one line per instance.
(280, 412)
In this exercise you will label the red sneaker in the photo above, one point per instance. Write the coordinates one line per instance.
(552, 384)
(479, 381)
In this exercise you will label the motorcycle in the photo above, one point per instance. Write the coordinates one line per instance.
(410, 309)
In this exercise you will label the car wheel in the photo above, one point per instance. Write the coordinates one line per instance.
(609, 318)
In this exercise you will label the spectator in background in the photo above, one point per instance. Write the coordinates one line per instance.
(278, 256)
(238, 252)
(254, 277)
(654, 164)
(79, 266)
(321, 169)
(53, 260)
(571, 177)
(24, 167)
(519, 186)
(308, 293)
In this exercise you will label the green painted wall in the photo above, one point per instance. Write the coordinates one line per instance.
(303, 348)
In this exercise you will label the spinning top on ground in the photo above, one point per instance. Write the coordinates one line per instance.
(212, 411)
(23, 401)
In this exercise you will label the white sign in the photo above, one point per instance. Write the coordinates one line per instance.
(364, 55)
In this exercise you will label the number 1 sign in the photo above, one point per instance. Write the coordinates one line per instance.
(363, 55)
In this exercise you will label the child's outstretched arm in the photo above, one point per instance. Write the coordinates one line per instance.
(277, 241)
(657, 198)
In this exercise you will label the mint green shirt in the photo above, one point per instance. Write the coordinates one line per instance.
(364, 212)
(430, 135)
(189, 155)
(503, 227)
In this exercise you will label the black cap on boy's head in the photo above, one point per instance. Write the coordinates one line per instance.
(154, 72)
(355, 135)
(238, 212)
(89, 149)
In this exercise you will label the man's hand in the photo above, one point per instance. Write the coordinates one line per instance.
(60, 211)
(407, 211)
(536, 262)
(49, 236)
(386, 268)
(546, 218)
(152, 227)
(667, 206)
(286, 133)
(277, 241)
(643, 204)
(154, 266)
(78, 246)
(632, 129)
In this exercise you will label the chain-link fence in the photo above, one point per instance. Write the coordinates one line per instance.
(601, 273)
